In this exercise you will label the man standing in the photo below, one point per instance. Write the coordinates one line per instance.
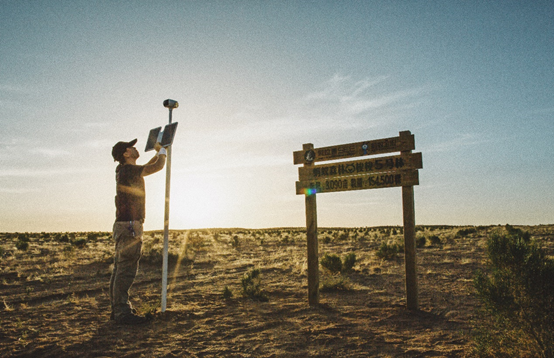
(127, 229)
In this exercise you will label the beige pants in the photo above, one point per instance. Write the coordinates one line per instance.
(128, 244)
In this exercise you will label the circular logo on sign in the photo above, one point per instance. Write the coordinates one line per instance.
(309, 156)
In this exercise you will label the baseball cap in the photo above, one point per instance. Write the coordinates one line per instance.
(120, 148)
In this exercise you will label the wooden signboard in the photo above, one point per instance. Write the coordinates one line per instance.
(381, 172)
(358, 182)
(380, 146)
(360, 167)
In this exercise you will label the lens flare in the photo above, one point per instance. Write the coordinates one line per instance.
(310, 191)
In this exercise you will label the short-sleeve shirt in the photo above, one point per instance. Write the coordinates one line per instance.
(130, 193)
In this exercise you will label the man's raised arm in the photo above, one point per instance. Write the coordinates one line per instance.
(157, 162)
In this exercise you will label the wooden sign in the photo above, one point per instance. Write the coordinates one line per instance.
(404, 142)
(383, 172)
(366, 166)
(358, 182)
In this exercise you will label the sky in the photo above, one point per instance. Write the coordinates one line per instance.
(255, 80)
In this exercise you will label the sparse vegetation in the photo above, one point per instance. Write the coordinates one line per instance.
(235, 243)
(348, 262)
(421, 240)
(55, 286)
(388, 251)
(227, 293)
(334, 264)
(251, 285)
(80, 242)
(22, 245)
(517, 291)
(435, 240)
(62, 238)
(466, 232)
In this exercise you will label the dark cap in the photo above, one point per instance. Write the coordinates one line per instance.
(120, 148)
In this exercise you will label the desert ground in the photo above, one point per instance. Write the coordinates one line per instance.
(54, 294)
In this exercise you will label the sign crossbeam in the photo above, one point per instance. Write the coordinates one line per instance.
(404, 142)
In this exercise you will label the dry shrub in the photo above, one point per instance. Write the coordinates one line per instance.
(388, 251)
(334, 264)
(251, 286)
(517, 291)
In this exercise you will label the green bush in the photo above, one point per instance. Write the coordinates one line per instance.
(251, 286)
(63, 238)
(387, 252)
(227, 293)
(22, 245)
(466, 232)
(332, 263)
(348, 262)
(343, 236)
(92, 236)
(81, 242)
(435, 240)
(421, 240)
(525, 236)
(517, 291)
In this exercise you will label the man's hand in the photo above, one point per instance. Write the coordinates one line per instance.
(156, 163)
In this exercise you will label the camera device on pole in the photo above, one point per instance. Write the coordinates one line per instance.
(169, 103)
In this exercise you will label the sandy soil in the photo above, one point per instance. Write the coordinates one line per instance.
(54, 298)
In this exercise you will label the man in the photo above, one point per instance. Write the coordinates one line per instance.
(127, 229)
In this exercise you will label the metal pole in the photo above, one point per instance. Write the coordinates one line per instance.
(166, 224)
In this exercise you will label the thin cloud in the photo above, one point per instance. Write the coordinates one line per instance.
(361, 105)
(364, 104)
(341, 88)
(342, 104)
(261, 134)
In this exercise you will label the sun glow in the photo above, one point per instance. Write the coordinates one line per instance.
(201, 204)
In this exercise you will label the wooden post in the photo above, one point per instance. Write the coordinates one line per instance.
(408, 208)
(313, 256)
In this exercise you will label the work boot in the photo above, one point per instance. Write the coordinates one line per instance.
(112, 315)
(131, 319)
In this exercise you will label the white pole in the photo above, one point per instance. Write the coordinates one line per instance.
(166, 224)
